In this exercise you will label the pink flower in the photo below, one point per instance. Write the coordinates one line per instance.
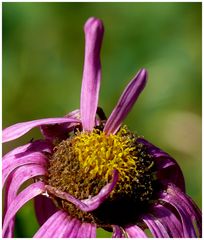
(91, 172)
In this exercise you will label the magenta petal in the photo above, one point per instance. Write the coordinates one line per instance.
(52, 227)
(167, 168)
(117, 232)
(23, 197)
(19, 129)
(86, 230)
(92, 72)
(44, 208)
(155, 226)
(90, 204)
(12, 163)
(135, 232)
(169, 220)
(126, 102)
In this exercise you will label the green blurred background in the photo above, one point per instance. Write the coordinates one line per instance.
(43, 49)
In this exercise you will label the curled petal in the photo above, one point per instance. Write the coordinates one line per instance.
(19, 129)
(135, 232)
(155, 226)
(23, 197)
(13, 163)
(168, 171)
(90, 204)
(117, 232)
(44, 208)
(36, 146)
(126, 102)
(92, 72)
(169, 220)
(180, 207)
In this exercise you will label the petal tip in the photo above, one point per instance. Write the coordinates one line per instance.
(94, 25)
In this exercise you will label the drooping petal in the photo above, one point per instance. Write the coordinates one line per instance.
(169, 220)
(87, 231)
(117, 232)
(13, 163)
(55, 226)
(19, 129)
(36, 146)
(126, 102)
(155, 226)
(21, 175)
(90, 204)
(135, 232)
(44, 208)
(92, 72)
(60, 131)
(181, 201)
(179, 206)
(168, 171)
(16, 180)
(23, 197)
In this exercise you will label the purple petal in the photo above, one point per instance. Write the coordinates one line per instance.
(15, 181)
(126, 102)
(135, 232)
(44, 208)
(36, 146)
(12, 163)
(19, 129)
(167, 168)
(187, 204)
(117, 232)
(86, 230)
(60, 131)
(51, 228)
(21, 175)
(23, 197)
(75, 229)
(92, 72)
(188, 228)
(169, 220)
(155, 226)
(90, 204)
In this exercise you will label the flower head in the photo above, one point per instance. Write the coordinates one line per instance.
(91, 172)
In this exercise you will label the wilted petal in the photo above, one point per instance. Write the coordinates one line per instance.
(188, 228)
(135, 232)
(167, 168)
(12, 163)
(23, 197)
(117, 232)
(19, 129)
(126, 102)
(187, 208)
(44, 208)
(90, 204)
(169, 220)
(92, 72)
(155, 226)
(86, 231)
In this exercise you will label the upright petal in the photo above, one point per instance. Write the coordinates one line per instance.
(92, 72)
(126, 102)
(19, 129)
(117, 232)
(23, 197)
